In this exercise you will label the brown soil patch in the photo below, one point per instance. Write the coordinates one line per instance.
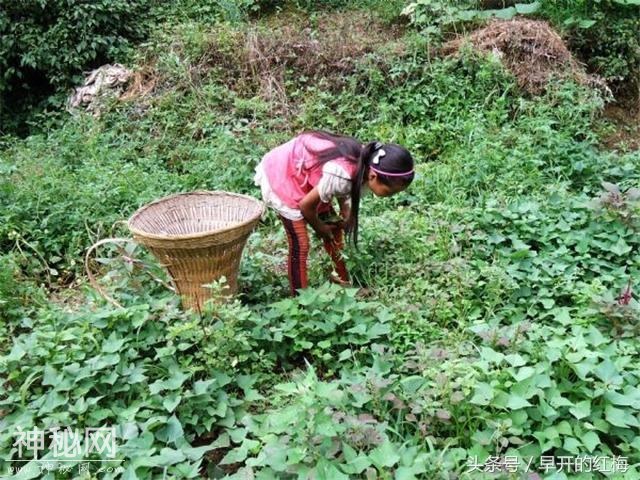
(625, 120)
(530, 49)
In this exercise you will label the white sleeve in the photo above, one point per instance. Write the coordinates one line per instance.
(335, 182)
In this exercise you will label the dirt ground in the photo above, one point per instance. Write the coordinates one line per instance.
(624, 117)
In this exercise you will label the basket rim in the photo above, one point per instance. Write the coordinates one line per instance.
(143, 234)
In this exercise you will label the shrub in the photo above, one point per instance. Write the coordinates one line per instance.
(605, 35)
(44, 44)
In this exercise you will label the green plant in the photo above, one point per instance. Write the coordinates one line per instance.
(501, 316)
(604, 34)
(45, 45)
(118, 368)
(436, 17)
(326, 325)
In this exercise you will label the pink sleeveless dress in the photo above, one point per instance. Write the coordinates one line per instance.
(290, 171)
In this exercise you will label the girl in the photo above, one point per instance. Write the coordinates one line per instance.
(300, 178)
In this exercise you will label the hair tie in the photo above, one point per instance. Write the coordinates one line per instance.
(377, 156)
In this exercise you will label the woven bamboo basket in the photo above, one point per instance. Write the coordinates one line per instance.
(198, 237)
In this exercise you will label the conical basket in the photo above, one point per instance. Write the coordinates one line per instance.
(198, 237)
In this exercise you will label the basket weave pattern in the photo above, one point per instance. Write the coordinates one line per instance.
(198, 237)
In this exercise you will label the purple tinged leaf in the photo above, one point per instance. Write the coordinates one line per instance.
(610, 187)
(457, 397)
(366, 418)
(441, 379)
(372, 437)
(338, 416)
(439, 354)
(443, 414)
(633, 194)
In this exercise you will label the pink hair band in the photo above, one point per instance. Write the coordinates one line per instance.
(390, 174)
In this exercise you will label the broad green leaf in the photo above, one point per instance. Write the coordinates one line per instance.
(564, 428)
(240, 453)
(289, 387)
(556, 400)
(607, 372)
(16, 353)
(171, 402)
(526, 389)
(524, 373)
(326, 470)
(625, 399)
(504, 13)
(483, 394)
(581, 409)
(527, 8)
(175, 381)
(621, 247)
(404, 473)
(412, 383)
(112, 344)
(572, 445)
(357, 465)
(384, 455)
(584, 369)
(491, 355)
(329, 390)
(515, 402)
(169, 456)
(619, 418)
(590, 440)
(51, 376)
(202, 386)
(171, 432)
(515, 360)
(281, 421)
(586, 23)
(222, 441)
(345, 354)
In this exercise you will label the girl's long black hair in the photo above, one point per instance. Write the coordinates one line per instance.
(396, 160)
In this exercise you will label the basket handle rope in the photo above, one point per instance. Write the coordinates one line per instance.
(96, 285)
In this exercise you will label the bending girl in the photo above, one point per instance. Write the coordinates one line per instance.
(300, 178)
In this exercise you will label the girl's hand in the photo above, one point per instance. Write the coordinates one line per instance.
(325, 232)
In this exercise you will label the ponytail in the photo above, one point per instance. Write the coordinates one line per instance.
(351, 228)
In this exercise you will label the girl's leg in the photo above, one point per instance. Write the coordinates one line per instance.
(334, 250)
(298, 240)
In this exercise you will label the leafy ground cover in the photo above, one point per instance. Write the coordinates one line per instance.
(500, 317)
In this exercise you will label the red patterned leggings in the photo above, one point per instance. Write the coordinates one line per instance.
(298, 239)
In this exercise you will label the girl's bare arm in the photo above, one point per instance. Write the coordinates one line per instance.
(309, 208)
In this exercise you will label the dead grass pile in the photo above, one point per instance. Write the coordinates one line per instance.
(530, 49)
(265, 57)
(141, 84)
